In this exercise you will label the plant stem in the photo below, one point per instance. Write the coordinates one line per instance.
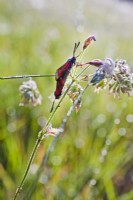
(42, 132)
(27, 76)
(31, 189)
(38, 141)
(46, 156)
(40, 138)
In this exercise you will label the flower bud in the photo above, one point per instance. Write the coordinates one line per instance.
(96, 62)
(88, 41)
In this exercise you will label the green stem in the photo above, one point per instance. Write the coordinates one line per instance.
(40, 135)
(46, 156)
(40, 169)
(28, 167)
(26, 76)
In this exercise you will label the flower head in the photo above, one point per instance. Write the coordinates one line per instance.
(122, 67)
(121, 83)
(30, 94)
(122, 80)
(117, 75)
(104, 71)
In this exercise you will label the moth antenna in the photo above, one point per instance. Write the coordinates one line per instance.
(78, 44)
(75, 48)
(52, 106)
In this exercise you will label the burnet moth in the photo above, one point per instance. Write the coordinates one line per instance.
(62, 74)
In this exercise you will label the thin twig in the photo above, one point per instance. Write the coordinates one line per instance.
(26, 76)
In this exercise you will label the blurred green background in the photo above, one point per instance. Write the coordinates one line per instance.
(92, 160)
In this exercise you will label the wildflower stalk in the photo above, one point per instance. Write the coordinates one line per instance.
(27, 76)
(31, 189)
(37, 144)
(46, 156)
(42, 133)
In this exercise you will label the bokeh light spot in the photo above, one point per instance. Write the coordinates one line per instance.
(111, 107)
(129, 118)
(122, 131)
(117, 121)
(101, 132)
(101, 118)
(56, 160)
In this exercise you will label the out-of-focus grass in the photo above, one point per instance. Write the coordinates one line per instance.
(93, 158)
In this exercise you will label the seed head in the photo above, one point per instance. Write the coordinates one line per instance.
(73, 94)
(30, 94)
